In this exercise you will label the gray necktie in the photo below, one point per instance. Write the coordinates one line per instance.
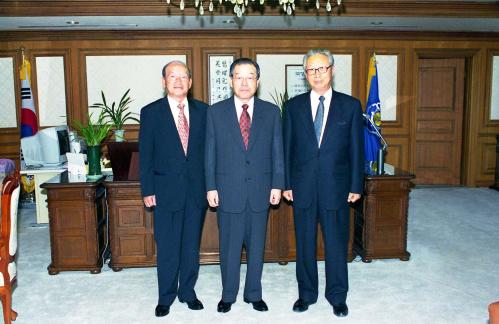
(318, 119)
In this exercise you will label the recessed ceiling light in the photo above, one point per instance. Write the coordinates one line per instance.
(72, 22)
(376, 23)
(228, 21)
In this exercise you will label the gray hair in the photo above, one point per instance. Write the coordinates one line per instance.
(316, 51)
(163, 71)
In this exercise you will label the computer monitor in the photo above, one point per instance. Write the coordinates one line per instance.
(48, 147)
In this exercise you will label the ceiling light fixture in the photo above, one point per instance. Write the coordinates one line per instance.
(240, 6)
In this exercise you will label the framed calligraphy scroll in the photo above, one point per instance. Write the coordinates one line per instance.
(218, 77)
(296, 83)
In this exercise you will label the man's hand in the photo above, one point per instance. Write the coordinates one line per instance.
(275, 196)
(212, 197)
(149, 201)
(288, 194)
(353, 197)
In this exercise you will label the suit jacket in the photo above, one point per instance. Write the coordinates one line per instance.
(337, 167)
(165, 171)
(241, 175)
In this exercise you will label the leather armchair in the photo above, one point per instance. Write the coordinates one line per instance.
(8, 243)
(494, 313)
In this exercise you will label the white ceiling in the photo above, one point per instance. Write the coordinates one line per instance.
(250, 23)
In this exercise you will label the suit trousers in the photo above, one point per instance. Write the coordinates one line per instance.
(335, 232)
(177, 236)
(235, 229)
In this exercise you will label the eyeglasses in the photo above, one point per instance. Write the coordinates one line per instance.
(241, 78)
(320, 69)
(181, 76)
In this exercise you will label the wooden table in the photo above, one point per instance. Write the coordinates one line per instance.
(77, 221)
(131, 230)
(378, 225)
(381, 220)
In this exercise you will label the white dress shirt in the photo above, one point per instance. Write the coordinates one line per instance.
(239, 107)
(314, 102)
(175, 110)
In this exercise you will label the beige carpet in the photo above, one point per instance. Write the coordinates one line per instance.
(452, 276)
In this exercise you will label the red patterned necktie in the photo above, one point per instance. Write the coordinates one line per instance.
(245, 125)
(183, 127)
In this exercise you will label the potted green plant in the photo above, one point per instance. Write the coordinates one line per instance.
(279, 99)
(118, 114)
(93, 133)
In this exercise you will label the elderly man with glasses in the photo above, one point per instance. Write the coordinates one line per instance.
(171, 146)
(323, 153)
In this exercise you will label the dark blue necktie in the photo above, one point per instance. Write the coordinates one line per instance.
(319, 116)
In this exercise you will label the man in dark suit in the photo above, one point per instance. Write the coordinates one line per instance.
(171, 146)
(244, 173)
(323, 149)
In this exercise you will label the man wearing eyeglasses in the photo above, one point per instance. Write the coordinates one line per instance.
(171, 148)
(323, 153)
(244, 175)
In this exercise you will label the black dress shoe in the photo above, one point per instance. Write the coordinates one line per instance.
(340, 310)
(162, 310)
(301, 305)
(258, 305)
(194, 304)
(223, 307)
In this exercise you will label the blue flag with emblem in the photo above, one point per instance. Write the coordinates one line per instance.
(373, 112)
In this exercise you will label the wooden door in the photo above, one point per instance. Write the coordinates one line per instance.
(439, 120)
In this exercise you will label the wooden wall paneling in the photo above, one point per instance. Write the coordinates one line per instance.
(412, 45)
(397, 153)
(472, 123)
(396, 132)
(66, 54)
(10, 145)
(363, 70)
(356, 69)
(487, 155)
(331, 46)
(119, 49)
(15, 57)
(409, 104)
(488, 149)
(487, 122)
(276, 48)
(488, 128)
(400, 125)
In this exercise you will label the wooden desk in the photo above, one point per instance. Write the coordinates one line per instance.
(131, 230)
(77, 223)
(381, 220)
(131, 227)
(378, 225)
